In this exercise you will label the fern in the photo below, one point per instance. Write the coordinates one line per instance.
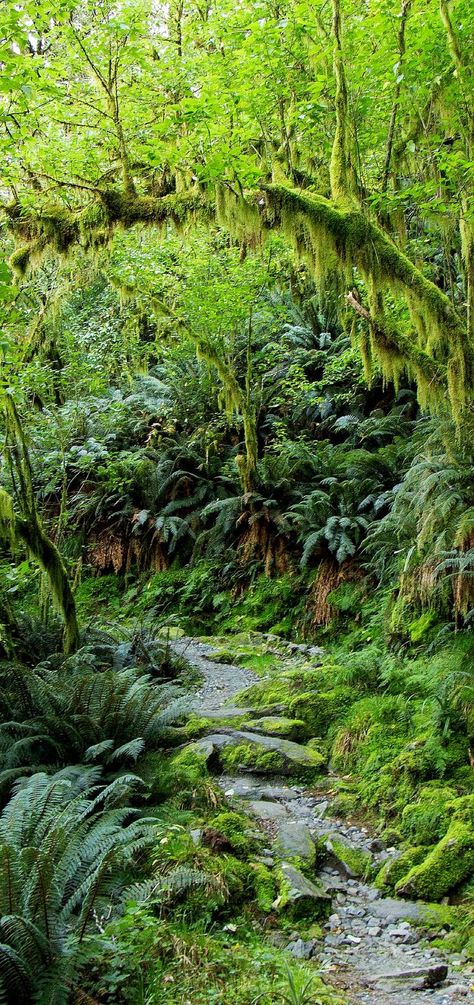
(61, 853)
(78, 711)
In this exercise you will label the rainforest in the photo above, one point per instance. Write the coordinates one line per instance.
(236, 502)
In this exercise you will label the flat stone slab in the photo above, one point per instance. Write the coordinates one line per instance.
(397, 910)
(226, 712)
(277, 792)
(431, 975)
(266, 810)
(275, 725)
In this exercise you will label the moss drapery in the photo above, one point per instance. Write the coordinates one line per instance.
(329, 236)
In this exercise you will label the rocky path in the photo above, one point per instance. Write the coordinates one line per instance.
(372, 948)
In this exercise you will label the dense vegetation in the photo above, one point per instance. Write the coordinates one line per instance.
(237, 308)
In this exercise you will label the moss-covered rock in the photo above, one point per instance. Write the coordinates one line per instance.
(462, 810)
(237, 829)
(351, 860)
(320, 709)
(395, 868)
(277, 725)
(265, 886)
(295, 844)
(299, 897)
(427, 820)
(281, 689)
(344, 804)
(449, 863)
(251, 756)
(239, 749)
(391, 837)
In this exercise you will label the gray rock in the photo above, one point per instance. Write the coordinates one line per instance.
(302, 950)
(374, 931)
(431, 975)
(277, 792)
(334, 940)
(227, 712)
(196, 835)
(294, 841)
(266, 810)
(298, 895)
(396, 910)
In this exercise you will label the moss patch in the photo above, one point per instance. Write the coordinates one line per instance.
(444, 869)
(394, 870)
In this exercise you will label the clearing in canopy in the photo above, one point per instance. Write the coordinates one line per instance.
(236, 502)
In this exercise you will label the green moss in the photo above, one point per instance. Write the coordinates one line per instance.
(324, 233)
(358, 860)
(394, 870)
(449, 863)
(282, 689)
(20, 258)
(256, 758)
(249, 756)
(427, 820)
(198, 726)
(319, 710)
(264, 885)
(235, 827)
(344, 804)
(462, 810)
(271, 725)
(128, 208)
(391, 837)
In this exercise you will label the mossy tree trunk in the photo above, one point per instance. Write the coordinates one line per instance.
(25, 526)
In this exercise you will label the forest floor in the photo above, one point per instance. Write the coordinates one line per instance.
(374, 947)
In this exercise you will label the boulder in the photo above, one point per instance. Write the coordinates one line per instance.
(319, 709)
(449, 863)
(267, 810)
(346, 858)
(395, 868)
(298, 896)
(238, 749)
(429, 976)
(294, 841)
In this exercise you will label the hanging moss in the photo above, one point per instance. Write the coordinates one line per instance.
(238, 215)
(332, 239)
(27, 256)
(350, 237)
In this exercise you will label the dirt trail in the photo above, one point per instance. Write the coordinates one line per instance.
(370, 941)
